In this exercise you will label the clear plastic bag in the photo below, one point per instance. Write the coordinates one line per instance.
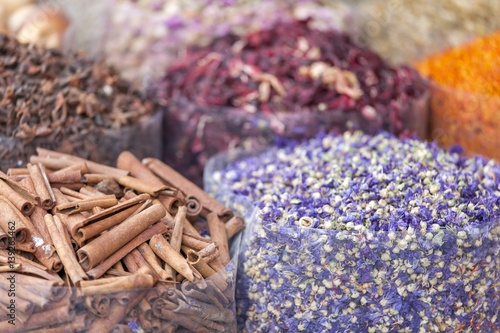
(143, 140)
(186, 307)
(303, 279)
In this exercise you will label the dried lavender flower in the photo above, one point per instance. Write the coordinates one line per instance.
(366, 233)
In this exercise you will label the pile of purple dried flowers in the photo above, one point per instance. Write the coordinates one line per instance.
(366, 233)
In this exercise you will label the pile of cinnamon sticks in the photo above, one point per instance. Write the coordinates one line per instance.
(93, 248)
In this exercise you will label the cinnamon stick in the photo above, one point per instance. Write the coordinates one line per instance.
(209, 253)
(146, 187)
(27, 183)
(193, 209)
(176, 180)
(217, 231)
(127, 161)
(93, 178)
(234, 225)
(93, 167)
(176, 237)
(42, 185)
(11, 223)
(150, 257)
(99, 270)
(19, 196)
(70, 221)
(201, 266)
(172, 204)
(163, 249)
(86, 205)
(64, 176)
(29, 267)
(40, 320)
(92, 226)
(64, 250)
(117, 284)
(87, 232)
(4, 239)
(108, 243)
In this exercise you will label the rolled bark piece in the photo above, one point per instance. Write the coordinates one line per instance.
(19, 196)
(179, 319)
(121, 328)
(163, 249)
(146, 187)
(12, 223)
(189, 289)
(86, 205)
(208, 323)
(92, 166)
(193, 209)
(26, 247)
(50, 290)
(45, 251)
(92, 192)
(98, 305)
(156, 325)
(22, 292)
(29, 267)
(80, 323)
(41, 320)
(4, 239)
(117, 284)
(17, 172)
(64, 249)
(98, 271)
(209, 253)
(70, 221)
(217, 230)
(150, 257)
(115, 209)
(176, 237)
(146, 309)
(172, 204)
(27, 183)
(197, 243)
(52, 163)
(108, 243)
(85, 233)
(93, 178)
(71, 193)
(42, 185)
(201, 266)
(176, 180)
(145, 324)
(116, 314)
(204, 310)
(24, 309)
(167, 327)
(187, 226)
(65, 176)
(127, 161)
(234, 225)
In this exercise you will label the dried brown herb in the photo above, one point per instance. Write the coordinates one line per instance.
(67, 103)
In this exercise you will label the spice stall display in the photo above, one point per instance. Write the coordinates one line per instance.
(360, 233)
(44, 24)
(290, 81)
(404, 31)
(93, 248)
(465, 95)
(147, 35)
(70, 104)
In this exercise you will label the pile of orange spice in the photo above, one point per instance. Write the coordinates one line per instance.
(473, 67)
